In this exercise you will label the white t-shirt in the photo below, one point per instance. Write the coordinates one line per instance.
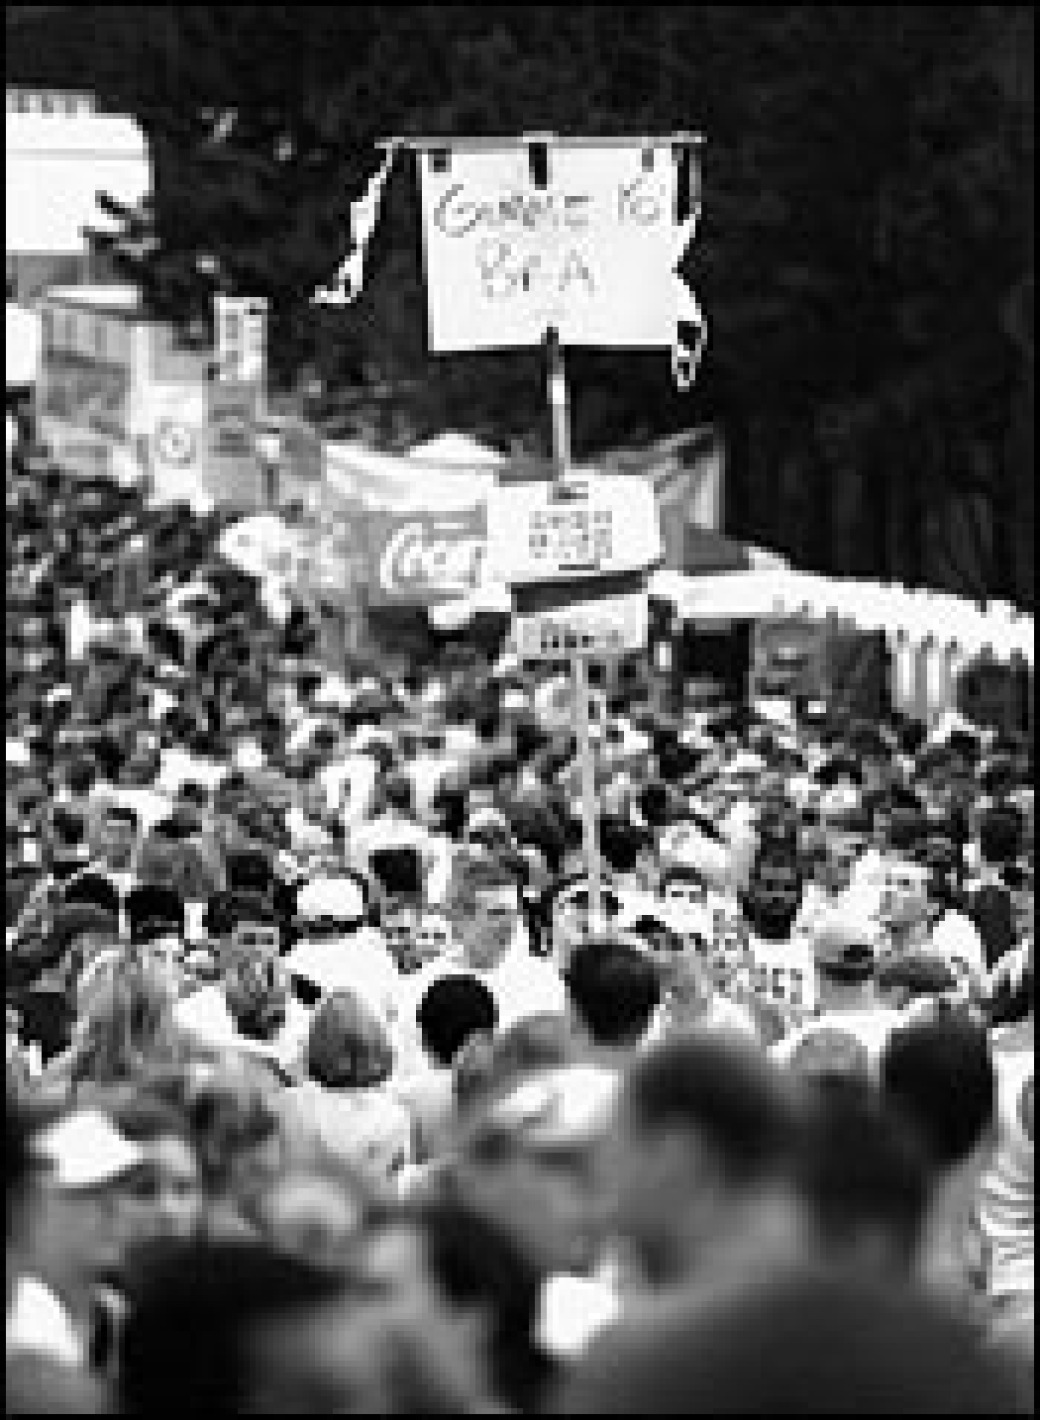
(461, 743)
(857, 900)
(522, 985)
(722, 1014)
(1006, 1195)
(179, 767)
(784, 973)
(349, 786)
(305, 834)
(387, 831)
(150, 805)
(956, 940)
(368, 1128)
(426, 773)
(204, 1016)
(572, 1310)
(359, 962)
(428, 1092)
(37, 1320)
(391, 831)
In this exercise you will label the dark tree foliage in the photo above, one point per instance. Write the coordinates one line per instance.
(865, 255)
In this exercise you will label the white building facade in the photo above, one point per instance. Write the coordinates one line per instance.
(61, 152)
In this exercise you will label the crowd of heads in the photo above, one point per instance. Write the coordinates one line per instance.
(335, 1083)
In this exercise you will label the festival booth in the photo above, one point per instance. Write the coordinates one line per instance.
(392, 558)
(387, 542)
(863, 646)
(120, 397)
(22, 361)
(21, 353)
(391, 549)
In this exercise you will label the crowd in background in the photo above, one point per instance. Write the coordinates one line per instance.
(328, 1089)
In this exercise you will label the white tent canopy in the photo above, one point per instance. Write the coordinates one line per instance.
(450, 472)
(456, 450)
(915, 617)
(22, 346)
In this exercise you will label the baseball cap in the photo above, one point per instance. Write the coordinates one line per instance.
(19, 756)
(85, 1149)
(842, 945)
(744, 765)
(490, 823)
(842, 808)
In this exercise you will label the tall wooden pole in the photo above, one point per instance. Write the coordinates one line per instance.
(559, 410)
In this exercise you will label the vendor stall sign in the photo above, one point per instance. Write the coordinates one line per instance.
(580, 527)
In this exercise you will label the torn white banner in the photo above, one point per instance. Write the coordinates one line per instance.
(691, 327)
(348, 280)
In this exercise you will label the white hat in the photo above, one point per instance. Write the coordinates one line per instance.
(483, 819)
(744, 765)
(248, 755)
(369, 735)
(434, 694)
(19, 755)
(331, 897)
(515, 700)
(85, 1149)
(333, 694)
(686, 846)
(304, 832)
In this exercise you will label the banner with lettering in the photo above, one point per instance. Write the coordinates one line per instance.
(586, 246)
(420, 558)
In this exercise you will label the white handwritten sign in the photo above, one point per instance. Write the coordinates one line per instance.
(591, 253)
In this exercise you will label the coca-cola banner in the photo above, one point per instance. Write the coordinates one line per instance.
(422, 557)
(417, 527)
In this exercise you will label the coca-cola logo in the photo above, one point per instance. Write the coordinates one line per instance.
(442, 556)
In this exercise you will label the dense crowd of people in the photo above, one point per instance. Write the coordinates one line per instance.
(328, 1087)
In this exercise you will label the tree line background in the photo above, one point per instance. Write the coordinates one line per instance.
(865, 256)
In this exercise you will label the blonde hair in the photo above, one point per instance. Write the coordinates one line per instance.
(126, 1026)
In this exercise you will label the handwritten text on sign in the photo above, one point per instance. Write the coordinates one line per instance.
(590, 254)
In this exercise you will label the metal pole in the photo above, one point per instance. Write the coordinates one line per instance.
(558, 405)
(588, 792)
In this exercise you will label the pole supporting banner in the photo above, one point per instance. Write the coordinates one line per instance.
(561, 454)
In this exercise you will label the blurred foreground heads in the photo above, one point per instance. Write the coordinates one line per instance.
(239, 1328)
(804, 1342)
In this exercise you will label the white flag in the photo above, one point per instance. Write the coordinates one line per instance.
(691, 327)
(349, 277)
